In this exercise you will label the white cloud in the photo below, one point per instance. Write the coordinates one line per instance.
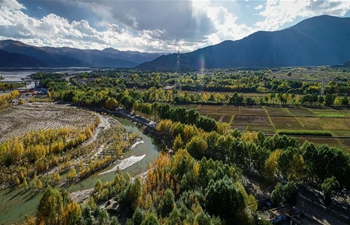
(187, 25)
(151, 25)
(11, 5)
(278, 13)
(259, 7)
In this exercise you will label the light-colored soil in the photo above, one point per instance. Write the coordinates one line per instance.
(41, 116)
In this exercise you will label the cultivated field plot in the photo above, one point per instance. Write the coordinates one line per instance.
(239, 127)
(190, 106)
(346, 142)
(309, 123)
(328, 112)
(226, 118)
(333, 142)
(251, 120)
(302, 112)
(224, 109)
(280, 112)
(286, 123)
(205, 109)
(215, 116)
(252, 110)
(267, 129)
(340, 133)
(335, 123)
(271, 119)
(41, 116)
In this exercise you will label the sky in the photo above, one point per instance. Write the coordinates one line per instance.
(164, 26)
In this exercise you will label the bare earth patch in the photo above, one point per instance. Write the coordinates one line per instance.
(41, 116)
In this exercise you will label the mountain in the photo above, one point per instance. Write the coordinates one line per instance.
(19, 60)
(51, 59)
(321, 40)
(72, 57)
(95, 58)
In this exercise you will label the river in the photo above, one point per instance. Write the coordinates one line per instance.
(14, 204)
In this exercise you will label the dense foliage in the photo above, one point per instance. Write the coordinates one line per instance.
(200, 184)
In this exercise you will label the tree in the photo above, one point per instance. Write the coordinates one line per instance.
(175, 217)
(329, 100)
(72, 214)
(329, 187)
(345, 101)
(50, 209)
(133, 193)
(197, 147)
(178, 143)
(227, 195)
(271, 165)
(98, 185)
(151, 219)
(277, 194)
(290, 193)
(71, 175)
(111, 103)
(138, 216)
(168, 203)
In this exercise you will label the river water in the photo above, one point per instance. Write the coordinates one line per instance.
(14, 204)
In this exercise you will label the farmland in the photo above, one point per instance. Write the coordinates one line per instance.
(273, 119)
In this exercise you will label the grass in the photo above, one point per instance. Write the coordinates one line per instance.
(305, 132)
(330, 114)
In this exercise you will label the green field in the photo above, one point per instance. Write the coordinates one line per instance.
(322, 126)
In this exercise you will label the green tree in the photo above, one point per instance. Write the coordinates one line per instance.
(345, 101)
(329, 187)
(168, 203)
(133, 193)
(290, 193)
(277, 194)
(224, 198)
(138, 216)
(151, 219)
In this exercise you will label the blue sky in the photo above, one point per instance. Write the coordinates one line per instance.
(152, 25)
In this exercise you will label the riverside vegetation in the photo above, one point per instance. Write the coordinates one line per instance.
(209, 155)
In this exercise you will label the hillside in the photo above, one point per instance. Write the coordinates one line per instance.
(316, 41)
(72, 57)
(19, 60)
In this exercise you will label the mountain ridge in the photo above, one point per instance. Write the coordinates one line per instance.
(19, 60)
(312, 42)
(73, 57)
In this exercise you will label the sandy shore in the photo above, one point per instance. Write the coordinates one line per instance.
(125, 163)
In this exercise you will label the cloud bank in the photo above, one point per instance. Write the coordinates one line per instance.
(151, 25)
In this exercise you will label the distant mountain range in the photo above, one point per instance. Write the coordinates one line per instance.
(17, 54)
(322, 40)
